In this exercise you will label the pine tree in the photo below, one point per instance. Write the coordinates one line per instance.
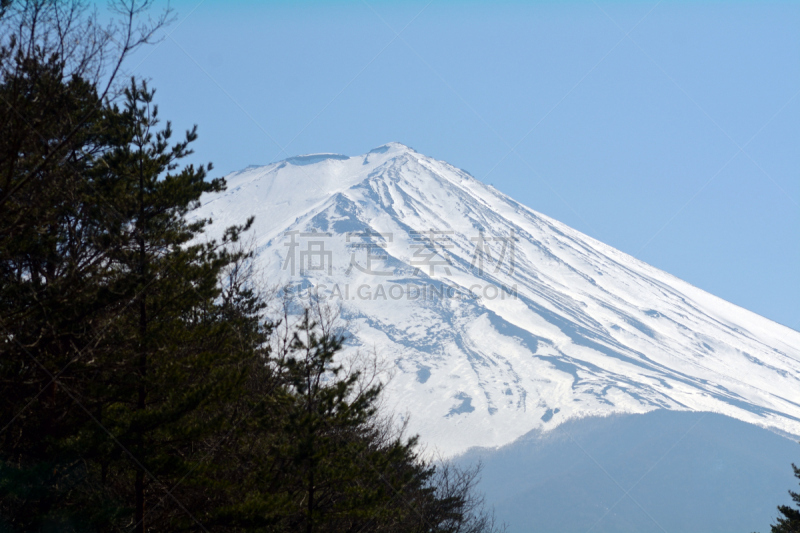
(176, 329)
(138, 388)
(326, 422)
(107, 306)
(790, 521)
(53, 288)
(332, 464)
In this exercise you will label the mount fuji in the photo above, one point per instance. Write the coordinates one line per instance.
(498, 319)
(510, 331)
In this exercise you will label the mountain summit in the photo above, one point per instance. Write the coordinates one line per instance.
(498, 319)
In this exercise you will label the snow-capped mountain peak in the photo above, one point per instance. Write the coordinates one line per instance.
(499, 319)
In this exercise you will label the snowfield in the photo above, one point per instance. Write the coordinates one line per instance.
(498, 319)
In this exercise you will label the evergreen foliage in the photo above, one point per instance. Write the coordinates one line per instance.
(141, 387)
(790, 521)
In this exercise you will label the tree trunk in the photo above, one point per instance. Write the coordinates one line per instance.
(142, 399)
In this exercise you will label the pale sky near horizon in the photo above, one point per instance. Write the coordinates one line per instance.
(669, 130)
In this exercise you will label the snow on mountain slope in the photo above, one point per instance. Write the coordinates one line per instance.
(499, 319)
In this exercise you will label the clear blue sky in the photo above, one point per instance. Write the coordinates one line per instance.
(669, 130)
